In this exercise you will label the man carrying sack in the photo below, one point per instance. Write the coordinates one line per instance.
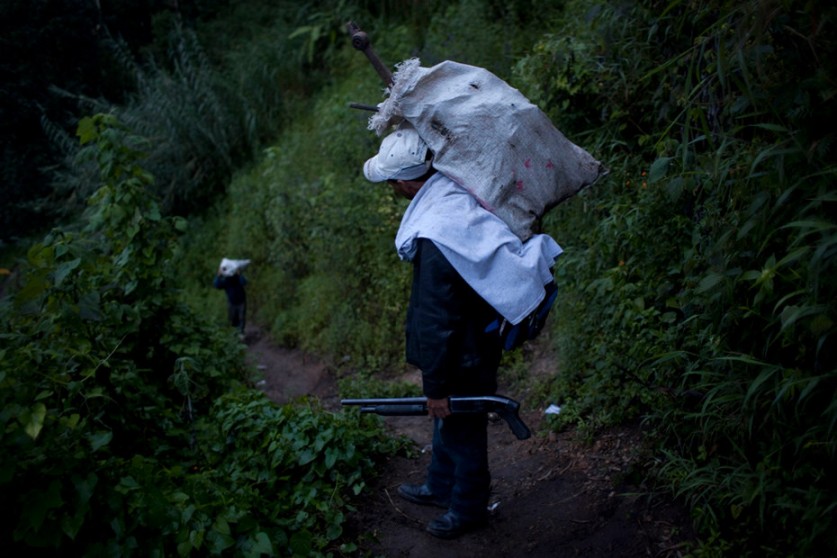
(481, 165)
(468, 266)
(230, 279)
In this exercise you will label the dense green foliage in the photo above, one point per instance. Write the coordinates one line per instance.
(697, 284)
(203, 120)
(127, 429)
(699, 280)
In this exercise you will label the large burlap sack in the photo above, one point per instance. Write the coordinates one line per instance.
(486, 136)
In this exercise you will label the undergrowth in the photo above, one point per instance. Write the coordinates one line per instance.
(127, 424)
(698, 277)
(696, 288)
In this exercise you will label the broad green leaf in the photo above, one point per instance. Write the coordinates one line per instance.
(85, 486)
(128, 483)
(35, 420)
(216, 542)
(64, 270)
(179, 497)
(181, 224)
(88, 306)
(196, 538)
(187, 513)
(221, 525)
(262, 545)
(674, 188)
(330, 457)
(751, 275)
(307, 456)
(100, 439)
(86, 130)
(40, 255)
(658, 169)
(71, 523)
(31, 291)
(131, 286)
(334, 531)
(709, 282)
(72, 421)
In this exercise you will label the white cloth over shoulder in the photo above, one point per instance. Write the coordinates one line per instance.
(228, 267)
(508, 273)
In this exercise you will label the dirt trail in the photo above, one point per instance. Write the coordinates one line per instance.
(553, 496)
(287, 373)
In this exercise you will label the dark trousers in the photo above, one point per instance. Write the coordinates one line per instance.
(238, 315)
(459, 465)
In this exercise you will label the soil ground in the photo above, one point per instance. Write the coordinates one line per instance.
(553, 496)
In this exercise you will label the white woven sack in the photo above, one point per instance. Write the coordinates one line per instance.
(486, 136)
(228, 267)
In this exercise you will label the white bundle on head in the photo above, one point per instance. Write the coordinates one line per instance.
(228, 267)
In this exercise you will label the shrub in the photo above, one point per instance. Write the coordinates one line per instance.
(697, 286)
(126, 426)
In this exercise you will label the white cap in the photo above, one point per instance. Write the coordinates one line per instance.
(402, 156)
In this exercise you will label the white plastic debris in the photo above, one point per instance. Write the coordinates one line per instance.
(552, 410)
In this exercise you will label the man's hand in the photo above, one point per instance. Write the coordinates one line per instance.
(438, 408)
(406, 188)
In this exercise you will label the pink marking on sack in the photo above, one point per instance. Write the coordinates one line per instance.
(528, 163)
(519, 184)
(549, 164)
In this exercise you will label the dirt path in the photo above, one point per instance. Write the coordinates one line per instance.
(553, 496)
(288, 373)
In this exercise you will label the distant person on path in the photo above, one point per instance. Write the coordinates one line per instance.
(233, 285)
(467, 264)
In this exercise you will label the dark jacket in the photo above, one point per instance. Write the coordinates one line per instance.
(233, 286)
(446, 323)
